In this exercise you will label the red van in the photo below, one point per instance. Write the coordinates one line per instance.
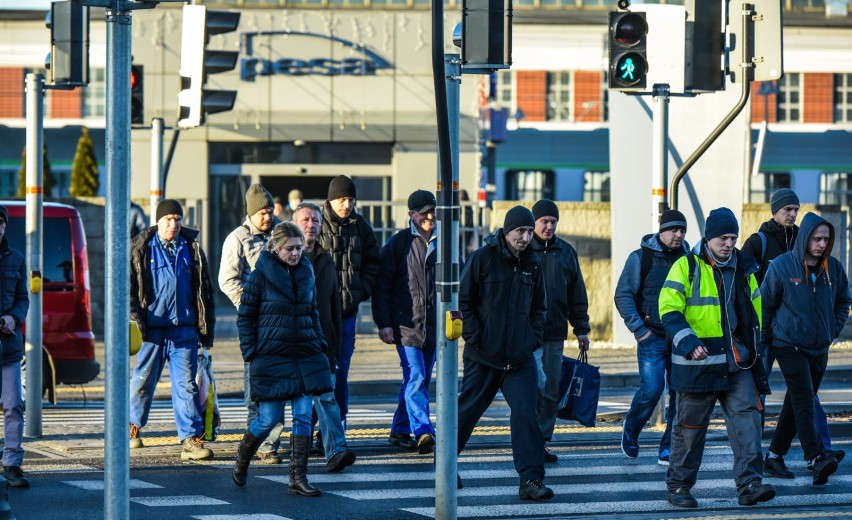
(69, 344)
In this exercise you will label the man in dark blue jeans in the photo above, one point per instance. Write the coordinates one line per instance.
(636, 298)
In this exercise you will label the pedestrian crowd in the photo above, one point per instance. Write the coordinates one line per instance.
(709, 321)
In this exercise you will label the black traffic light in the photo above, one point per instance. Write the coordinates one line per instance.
(486, 35)
(68, 61)
(628, 54)
(137, 95)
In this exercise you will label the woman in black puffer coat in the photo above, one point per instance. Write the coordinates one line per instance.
(282, 340)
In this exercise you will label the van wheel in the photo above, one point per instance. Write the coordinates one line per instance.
(45, 381)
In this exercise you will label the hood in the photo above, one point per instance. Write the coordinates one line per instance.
(275, 271)
(652, 241)
(497, 240)
(809, 223)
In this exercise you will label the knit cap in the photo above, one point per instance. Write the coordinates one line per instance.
(169, 207)
(257, 198)
(519, 216)
(721, 221)
(781, 198)
(672, 218)
(545, 208)
(340, 187)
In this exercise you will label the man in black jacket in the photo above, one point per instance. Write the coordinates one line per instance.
(567, 302)
(352, 244)
(502, 299)
(777, 235)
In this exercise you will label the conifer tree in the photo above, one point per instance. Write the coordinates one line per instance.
(84, 172)
(47, 174)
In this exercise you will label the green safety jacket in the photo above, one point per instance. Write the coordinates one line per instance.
(693, 315)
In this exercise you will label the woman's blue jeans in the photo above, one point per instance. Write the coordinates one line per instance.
(270, 413)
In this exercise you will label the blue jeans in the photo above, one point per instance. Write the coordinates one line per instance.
(13, 415)
(331, 429)
(655, 367)
(273, 440)
(269, 414)
(548, 361)
(412, 410)
(178, 346)
(341, 383)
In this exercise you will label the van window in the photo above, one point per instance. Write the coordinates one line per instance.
(58, 264)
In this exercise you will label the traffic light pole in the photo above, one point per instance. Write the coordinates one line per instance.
(659, 153)
(157, 131)
(117, 264)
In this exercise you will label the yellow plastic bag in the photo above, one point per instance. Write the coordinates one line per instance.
(135, 338)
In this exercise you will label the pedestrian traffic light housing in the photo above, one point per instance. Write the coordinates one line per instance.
(197, 62)
(486, 36)
(628, 56)
(137, 95)
(68, 60)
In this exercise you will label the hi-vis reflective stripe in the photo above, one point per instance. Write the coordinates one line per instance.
(702, 300)
(682, 334)
(677, 286)
(709, 360)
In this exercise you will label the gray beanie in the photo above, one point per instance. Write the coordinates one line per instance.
(781, 198)
(519, 216)
(257, 198)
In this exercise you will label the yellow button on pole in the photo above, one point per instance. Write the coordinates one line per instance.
(35, 282)
(454, 325)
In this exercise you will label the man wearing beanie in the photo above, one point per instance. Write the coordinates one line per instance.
(171, 300)
(567, 302)
(502, 299)
(777, 235)
(240, 252)
(352, 244)
(636, 297)
(710, 307)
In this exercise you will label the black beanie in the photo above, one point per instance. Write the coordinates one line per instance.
(516, 217)
(720, 222)
(340, 187)
(4, 214)
(781, 198)
(545, 208)
(169, 207)
(672, 218)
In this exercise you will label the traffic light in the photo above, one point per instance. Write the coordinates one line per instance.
(137, 95)
(705, 37)
(486, 35)
(68, 61)
(196, 62)
(628, 55)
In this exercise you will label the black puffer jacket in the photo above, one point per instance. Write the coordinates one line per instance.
(779, 240)
(503, 302)
(328, 302)
(405, 294)
(142, 283)
(280, 332)
(566, 290)
(14, 299)
(353, 246)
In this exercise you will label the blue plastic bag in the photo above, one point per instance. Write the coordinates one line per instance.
(580, 388)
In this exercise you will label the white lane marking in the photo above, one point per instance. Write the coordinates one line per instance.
(240, 517)
(178, 501)
(98, 485)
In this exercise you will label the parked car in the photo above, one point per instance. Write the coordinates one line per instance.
(68, 341)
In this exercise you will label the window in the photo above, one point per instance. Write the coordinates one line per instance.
(843, 98)
(807, 4)
(529, 184)
(596, 186)
(762, 186)
(57, 264)
(790, 98)
(835, 188)
(94, 95)
(505, 95)
(559, 96)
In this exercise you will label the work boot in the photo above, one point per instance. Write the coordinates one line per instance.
(775, 467)
(299, 485)
(135, 437)
(341, 460)
(193, 449)
(15, 477)
(269, 457)
(681, 497)
(248, 446)
(823, 467)
(425, 443)
(534, 490)
(403, 440)
(756, 491)
(549, 456)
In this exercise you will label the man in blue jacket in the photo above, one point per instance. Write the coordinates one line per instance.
(502, 299)
(567, 302)
(636, 297)
(806, 301)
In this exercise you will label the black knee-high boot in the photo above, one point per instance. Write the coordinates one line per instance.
(299, 446)
(248, 447)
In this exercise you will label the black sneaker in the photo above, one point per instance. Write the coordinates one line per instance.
(425, 443)
(15, 477)
(339, 461)
(823, 466)
(403, 440)
(756, 491)
(681, 497)
(629, 445)
(775, 467)
(549, 456)
(837, 454)
(534, 490)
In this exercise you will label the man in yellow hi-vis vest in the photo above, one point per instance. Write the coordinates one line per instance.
(710, 307)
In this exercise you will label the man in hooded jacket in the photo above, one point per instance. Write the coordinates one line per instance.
(806, 301)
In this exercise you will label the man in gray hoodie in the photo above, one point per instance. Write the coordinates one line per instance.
(806, 301)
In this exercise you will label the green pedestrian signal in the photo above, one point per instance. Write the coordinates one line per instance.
(628, 63)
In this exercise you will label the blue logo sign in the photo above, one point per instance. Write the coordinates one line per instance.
(252, 66)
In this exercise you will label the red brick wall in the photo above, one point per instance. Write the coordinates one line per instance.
(818, 97)
(588, 96)
(11, 92)
(758, 107)
(532, 94)
(66, 103)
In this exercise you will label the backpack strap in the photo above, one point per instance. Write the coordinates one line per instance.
(690, 258)
(762, 236)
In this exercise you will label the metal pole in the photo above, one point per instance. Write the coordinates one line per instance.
(447, 271)
(34, 200)
(117, 265)
(659, 153)
(157, 131)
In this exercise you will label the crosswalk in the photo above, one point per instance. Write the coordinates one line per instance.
(586, 481)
